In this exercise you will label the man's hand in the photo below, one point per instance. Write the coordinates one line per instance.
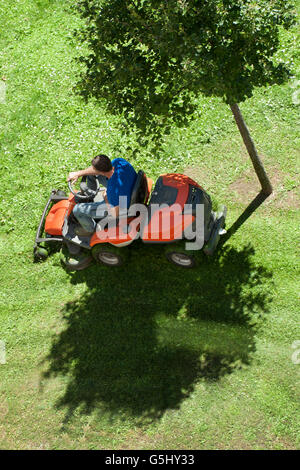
(104, 194)
(73, 176)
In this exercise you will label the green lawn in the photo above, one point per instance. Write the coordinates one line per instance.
(146, 356)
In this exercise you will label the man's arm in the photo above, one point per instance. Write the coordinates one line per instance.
(113, 210)
(74, 175)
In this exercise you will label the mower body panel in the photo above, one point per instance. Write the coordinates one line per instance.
(56, 217)
(124, 233)
(172, 208)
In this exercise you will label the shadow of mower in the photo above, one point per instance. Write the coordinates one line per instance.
(143, 335)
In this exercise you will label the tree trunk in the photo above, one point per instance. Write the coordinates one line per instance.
(256, 161)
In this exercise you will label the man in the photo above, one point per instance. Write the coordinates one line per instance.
(118, 176)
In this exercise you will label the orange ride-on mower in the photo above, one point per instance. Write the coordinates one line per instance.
(167, 215)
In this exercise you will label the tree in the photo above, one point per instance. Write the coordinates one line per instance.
(149, 59)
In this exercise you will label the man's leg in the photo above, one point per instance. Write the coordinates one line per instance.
(85, 213)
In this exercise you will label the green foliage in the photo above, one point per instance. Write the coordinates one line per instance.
(150, 59)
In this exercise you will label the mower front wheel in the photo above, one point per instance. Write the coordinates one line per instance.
(107, 254)
(76, 262)
(40, 254)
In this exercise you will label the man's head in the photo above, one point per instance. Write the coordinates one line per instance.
(102, 163)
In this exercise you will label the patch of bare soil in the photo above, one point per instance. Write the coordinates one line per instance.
(3, 412)
(140, 440)
(248, 186)
(3, 407)
(245, 188)
(290, 200)
(197, 174)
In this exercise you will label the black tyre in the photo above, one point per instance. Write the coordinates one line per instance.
(61, 193)
(181, 259)
(107, 254)
(77, 262)
(177, 254)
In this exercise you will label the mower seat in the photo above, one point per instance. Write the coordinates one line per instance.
(140, 191)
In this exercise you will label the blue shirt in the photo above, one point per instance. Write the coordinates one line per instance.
(121, 183)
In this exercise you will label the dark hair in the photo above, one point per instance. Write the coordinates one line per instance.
(102, 163)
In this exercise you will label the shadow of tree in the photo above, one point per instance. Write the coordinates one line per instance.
(142, 335)
(250, 209)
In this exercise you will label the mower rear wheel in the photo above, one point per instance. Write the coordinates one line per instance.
(107, 254)
(177, 254)
(181, 259)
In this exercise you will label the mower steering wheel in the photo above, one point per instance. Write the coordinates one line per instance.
(85, 192)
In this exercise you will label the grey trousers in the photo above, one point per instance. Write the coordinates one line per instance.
(87, 212)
